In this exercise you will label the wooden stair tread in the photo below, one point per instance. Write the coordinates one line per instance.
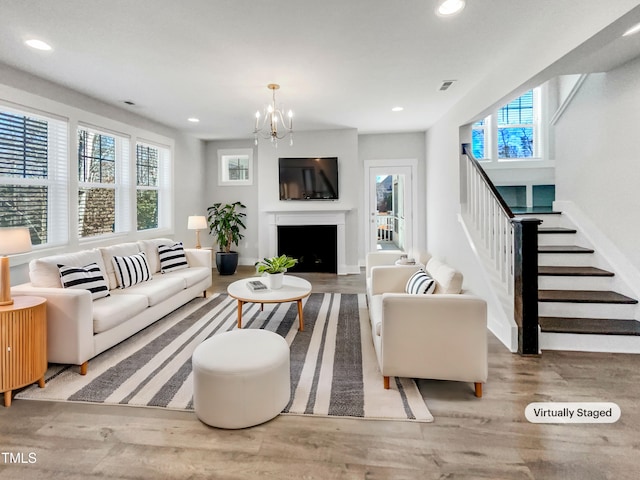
(535, 212)
(584, 296)
(547, 230)
(563, 249)
(571, 271)
(592, 326)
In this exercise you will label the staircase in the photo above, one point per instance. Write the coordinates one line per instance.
(579, 300)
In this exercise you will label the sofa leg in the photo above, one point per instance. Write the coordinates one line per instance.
(478, 389)
(386, 383)
(84, 367)
(204, 294)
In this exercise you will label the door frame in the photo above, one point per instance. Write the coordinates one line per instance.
(389, 165)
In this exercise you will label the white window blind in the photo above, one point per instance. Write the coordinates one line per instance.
(103, 183)
(153, 186)
(34, 174)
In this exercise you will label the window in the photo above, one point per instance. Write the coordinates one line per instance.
(104, 193)
(516, 128)
(512, 132)
(33, 175)
(479, 139)
(147, 187)
(102, 183)
(235, 167)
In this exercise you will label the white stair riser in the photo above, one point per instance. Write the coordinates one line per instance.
(546, 282)
(557, 239)
(566, 259)
(589, 343)
(587, 310)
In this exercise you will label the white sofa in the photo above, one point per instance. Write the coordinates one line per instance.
(436, 336)
(79, 328)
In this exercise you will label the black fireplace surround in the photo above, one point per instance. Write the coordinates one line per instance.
(315, 247)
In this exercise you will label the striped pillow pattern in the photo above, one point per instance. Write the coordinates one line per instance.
(420, 283)
(88, 277)
(172, 257)
(131, 270)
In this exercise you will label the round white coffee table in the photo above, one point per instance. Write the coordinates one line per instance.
(294, 289)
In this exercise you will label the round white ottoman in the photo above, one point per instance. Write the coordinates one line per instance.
(241, 378)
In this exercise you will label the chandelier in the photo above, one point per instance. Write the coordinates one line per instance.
(268, 128)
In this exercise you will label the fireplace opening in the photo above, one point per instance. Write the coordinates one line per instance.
(315, 247)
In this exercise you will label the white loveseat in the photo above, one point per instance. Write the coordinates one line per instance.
(79, 328)
(439, 336)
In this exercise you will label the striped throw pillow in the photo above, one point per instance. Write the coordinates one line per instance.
(88, 277)
(420, 283)
(172, 257)
(131, 270)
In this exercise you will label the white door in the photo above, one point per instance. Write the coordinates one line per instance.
(389, 205)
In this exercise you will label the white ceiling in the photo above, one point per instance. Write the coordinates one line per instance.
(340, 63)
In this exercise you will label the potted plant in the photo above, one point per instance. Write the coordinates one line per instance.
(225, 222)
(275, 268)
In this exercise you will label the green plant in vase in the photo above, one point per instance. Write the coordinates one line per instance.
(225, 224)
(275, 268)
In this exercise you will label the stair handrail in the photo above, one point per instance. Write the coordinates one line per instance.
(510, 243)
(468, 151)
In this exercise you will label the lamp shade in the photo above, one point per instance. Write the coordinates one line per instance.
(14, 240)
(197, 222)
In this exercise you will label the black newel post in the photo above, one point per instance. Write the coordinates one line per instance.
(525, 270)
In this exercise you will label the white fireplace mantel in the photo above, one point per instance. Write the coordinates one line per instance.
(309, 217)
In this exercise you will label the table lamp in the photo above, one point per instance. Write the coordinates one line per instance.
(12, 241)
(197, 223)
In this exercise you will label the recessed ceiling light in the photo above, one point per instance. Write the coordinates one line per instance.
(38, 44)
(193, 119)
(447, 8)
(397, 109)
(632, 30)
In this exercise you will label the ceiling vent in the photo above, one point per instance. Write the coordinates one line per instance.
(445, 85)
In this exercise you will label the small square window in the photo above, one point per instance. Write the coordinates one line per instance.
(235, 167)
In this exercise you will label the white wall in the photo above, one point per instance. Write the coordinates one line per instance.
(29, 91)
(326, 143)
(248, 248)
(597, 156)
(395, 147)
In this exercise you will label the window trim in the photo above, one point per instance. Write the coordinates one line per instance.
(224, 156)
(56, 182)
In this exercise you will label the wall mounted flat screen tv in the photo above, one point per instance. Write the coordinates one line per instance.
(308, 178)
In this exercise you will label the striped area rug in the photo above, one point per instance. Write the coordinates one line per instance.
(334, 371)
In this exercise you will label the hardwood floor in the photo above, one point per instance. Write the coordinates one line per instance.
(471, 438)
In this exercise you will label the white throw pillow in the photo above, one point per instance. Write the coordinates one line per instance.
(172, 257)
(420, 283)
(131, 270)
(89, 277)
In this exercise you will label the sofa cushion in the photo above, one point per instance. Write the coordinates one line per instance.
(89, 277)
(122, 250)
(44, 272)
(191, 275)
(420, 283)
(131, 270)
(447, 279)
(172, 257)
(150, 247)
(111, 311)
(157, 290)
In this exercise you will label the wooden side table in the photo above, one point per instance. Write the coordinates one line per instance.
(23, 344)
